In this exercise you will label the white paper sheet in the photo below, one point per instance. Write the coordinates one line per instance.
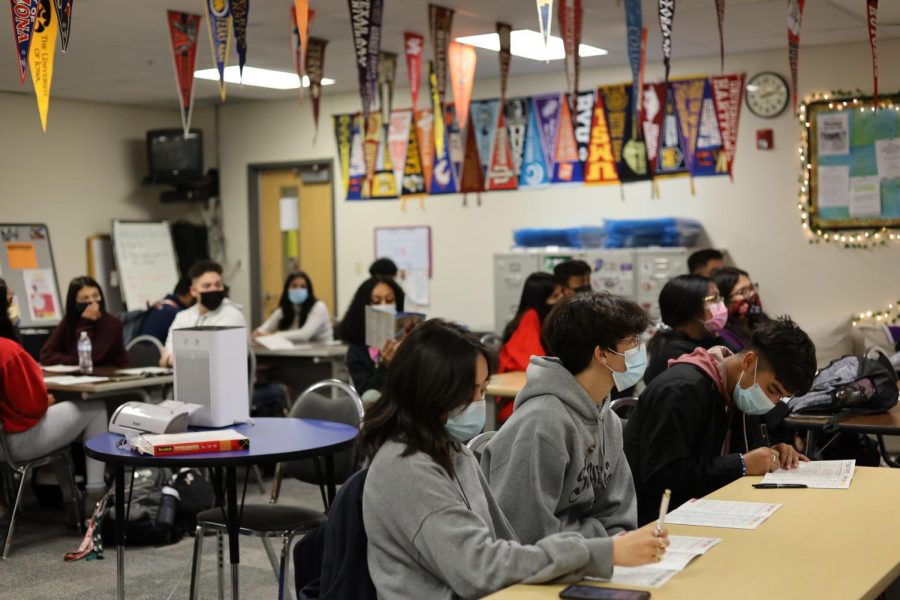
(61, 368)
(887, 157)
(822, 474)
(833, 187)
(144, 371)
(834, 133)
(289, 214)
(722, 513)
(275, 342)
(74, 380)
(681, 552)
(865, 196)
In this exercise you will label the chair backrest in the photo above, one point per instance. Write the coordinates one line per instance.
(477, 443)
(493, 342)
(623, 407)
(144, 351)
(342, 405)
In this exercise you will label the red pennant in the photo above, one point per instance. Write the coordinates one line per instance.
(727, 93)
(872, 19)
(183, 30)
(413, 44)
(795, 17)
(501, 172)
(462, 76)
(652, 108)
(472, 179)
(24, 12)
(570, 12)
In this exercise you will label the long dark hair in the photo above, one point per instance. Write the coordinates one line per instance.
(726, 278)
(432, 374)
(680, 302)
(538, 288)
(75, 286)
(7, 329)
(353, 325)
(288, 308)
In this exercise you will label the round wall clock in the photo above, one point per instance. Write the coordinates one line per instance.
(767, 94)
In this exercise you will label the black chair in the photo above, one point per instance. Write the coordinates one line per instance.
(623, 407)
(144, 351)
(477, 443)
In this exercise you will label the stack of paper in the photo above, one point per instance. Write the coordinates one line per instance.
(682, 550)
(147, 371)
(824, 474)
(275, 342)
(73, 380)
(722, 513)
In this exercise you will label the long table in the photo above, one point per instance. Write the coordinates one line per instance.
(822, 544)
(117, 384)
(305, 364)
(880, 425)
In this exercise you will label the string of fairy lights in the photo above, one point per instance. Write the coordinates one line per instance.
(839, 100)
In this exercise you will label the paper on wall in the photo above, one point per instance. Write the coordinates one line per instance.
(289, 214)
(415, 284)
(865, 196)
(833, 186)
(40, 287)
(887, 157)
(833, 133)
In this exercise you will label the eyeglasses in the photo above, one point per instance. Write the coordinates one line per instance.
(746, 291)
(630, 342)
(715, 299)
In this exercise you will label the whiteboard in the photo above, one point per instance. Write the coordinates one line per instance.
(145, 261)
(408, 247)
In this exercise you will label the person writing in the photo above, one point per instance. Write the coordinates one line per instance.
(300, 316)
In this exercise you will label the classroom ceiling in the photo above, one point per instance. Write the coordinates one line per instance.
(119, 49)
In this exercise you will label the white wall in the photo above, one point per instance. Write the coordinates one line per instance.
(755, 217)
(84, 171)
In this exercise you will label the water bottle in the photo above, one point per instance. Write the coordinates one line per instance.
(85, 362)
(168, 507)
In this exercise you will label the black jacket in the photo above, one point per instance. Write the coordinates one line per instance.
(366, 375)
(675, 344)
(674, 439)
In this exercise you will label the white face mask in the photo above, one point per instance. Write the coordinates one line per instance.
(386, 308)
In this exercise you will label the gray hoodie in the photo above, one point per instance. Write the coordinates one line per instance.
(558, 464)
(434, 537)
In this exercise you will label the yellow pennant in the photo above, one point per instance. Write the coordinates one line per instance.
(40, 56)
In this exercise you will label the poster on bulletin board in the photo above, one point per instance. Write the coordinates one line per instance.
(854, 163)
(410, 249)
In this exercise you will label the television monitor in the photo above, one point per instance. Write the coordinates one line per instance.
(174, 158)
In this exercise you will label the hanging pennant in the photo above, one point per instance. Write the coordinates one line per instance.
(584, 112)
(374, 46)
(343, 137)
(371, 141)
(387, 75)
(454, 139)
(413, 45)
(615, 99)
(413, 183)
(547, 108)
(666, 18)
(440, 20)
(64, 19)
(720, 20)
(183, 30)
(357, 171)
(652, 119)
(425, 135)
(570, 13)
(484, 122)
(504, 32)
(24, 13)
(601, 164)
(501, 174)
(670, 155)
(709, 156)
(688, 95)
(398, 140)
(472, 176)
(384, 183)
(628, 148)
(516, 111)
(795, 17)
(443, 174)
(634, 165)
(315, 59)
(40, 57)
(534, 173)
(361, 26)
(302, 18)
(727, 94)
(239, 11)
(218, 21)
(872, 20)
(437, 110)
(462, 77)
(634, 21)
(567, 168)
(545, 18)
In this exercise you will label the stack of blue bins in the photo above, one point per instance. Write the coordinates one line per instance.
(569, 237)
(640, 233)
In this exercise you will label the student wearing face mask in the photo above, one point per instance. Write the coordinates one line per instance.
(573, 276)
(687, 432)
(692, 311)
(367, 365)
(212, 308)
(86, 311)
(434, 528)
(557, 464)
(745, 309)
(9, 314)
(300, 316)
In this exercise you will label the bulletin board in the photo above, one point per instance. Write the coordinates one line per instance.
(145, 261)
(410, 249)
(854, 155)
(26, 264)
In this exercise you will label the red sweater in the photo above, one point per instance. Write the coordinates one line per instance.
(524, 343)
(23, 396)
(107, 345)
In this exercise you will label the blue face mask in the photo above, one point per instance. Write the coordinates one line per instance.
(467, 422)
(298, 295)
(635, 365)
(753, 400)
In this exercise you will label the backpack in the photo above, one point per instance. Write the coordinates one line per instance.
(132, 321)
(849, 384)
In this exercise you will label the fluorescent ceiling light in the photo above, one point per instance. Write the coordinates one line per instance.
(265, 78)
(529, 44)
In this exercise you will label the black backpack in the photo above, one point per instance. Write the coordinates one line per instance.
(850, 384)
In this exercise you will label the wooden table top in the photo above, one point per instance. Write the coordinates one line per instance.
(881, 424)
(506, 385)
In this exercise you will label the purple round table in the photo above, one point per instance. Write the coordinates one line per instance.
(271, 440)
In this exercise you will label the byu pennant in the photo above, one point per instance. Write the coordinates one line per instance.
(239, 15)
(545, 19)
(316, 69)
(504, 32)
(40, 57)
(794, 19)
(24, 12)
(218, 21)
(581, 118)
(440, 21)
(666, 10)
(570, 14)
(413, 46)
(463, 61)
(64, 18)
(183, 32)
(872, 20)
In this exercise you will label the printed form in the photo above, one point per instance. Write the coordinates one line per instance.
(682, 550)
(822, 474)
(722, 513)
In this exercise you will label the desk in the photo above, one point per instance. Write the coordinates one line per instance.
(878, 425)
(119, 384)
(299, 374)
(506, 385)
(271, 440)
(822, 544)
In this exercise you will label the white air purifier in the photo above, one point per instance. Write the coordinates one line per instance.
(211, 369)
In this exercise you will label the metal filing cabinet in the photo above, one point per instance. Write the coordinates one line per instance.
(655, 267)
(510, 271)
(613, 270)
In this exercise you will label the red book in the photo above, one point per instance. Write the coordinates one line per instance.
(192, 442)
